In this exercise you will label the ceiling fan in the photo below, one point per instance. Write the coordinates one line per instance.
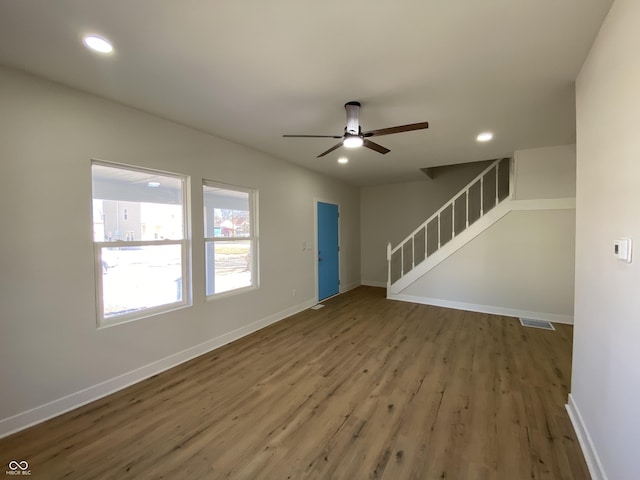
(354, 136)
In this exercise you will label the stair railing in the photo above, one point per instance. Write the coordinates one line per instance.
(471, 203)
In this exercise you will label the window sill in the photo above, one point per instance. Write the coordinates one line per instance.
(146, 313)
(231, 293)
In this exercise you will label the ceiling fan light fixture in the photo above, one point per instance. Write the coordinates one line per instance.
(352, 141)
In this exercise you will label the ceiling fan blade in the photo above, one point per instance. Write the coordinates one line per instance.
(398, 129)
(338, 145)
(312, 136)
(375, 146)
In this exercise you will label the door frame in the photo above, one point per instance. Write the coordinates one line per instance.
(317, 200)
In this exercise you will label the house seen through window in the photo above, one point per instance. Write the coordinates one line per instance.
(230, 238)
(140, 241)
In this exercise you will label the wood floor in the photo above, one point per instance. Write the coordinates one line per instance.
(365, 388)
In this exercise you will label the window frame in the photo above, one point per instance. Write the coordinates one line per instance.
(185, 244)
(253, 239)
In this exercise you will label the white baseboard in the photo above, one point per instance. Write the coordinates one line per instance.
(350, 286)
(508, 312)
(590, 455)
(374, 283)
(62, 405)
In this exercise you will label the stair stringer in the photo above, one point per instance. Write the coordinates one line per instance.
(455, 244)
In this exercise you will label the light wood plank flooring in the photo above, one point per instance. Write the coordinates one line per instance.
(365, 388)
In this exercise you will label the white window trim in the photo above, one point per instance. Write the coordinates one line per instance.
(187, 301)
(253, 238)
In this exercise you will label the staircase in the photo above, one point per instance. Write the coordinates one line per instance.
(472, 210)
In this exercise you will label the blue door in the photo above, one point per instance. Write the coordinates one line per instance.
(328, 263)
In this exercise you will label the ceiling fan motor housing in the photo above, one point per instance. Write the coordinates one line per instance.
(353, 118)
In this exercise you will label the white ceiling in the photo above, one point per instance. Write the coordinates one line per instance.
(251, 70)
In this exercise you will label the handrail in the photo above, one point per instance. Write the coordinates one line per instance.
(437, 214)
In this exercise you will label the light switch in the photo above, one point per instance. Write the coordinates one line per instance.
(622, 249)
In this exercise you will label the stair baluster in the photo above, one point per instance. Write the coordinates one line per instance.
(501, 172)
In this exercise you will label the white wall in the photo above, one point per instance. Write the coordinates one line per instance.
(49, 345)
(605, 386)
(388, 213)
(548, 172)
(522, 265)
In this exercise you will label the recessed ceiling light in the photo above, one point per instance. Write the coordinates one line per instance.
(484, 136)
(343, 160)
(97, 44)
(352, 141)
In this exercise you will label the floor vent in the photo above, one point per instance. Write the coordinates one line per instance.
(317, 307)
(528, 322)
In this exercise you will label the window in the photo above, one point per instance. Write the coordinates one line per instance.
(230, 238)
(140, 242)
